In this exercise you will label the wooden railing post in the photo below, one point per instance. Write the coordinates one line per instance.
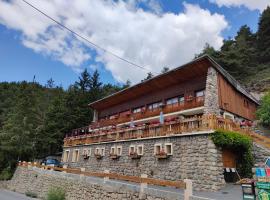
(142, 186)
(82, 172)
(106, 178)
(188, 189)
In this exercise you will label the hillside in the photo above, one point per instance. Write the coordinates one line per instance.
(247, 55)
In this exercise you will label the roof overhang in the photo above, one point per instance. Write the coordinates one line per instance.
(185, 72)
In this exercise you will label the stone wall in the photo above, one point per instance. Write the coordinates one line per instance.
(78, 187)
(211, 103)
(260, 153)
(3, 184)
(194, 157)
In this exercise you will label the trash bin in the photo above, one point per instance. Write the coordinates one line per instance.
(248, 190)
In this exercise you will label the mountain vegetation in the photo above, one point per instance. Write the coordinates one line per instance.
(247, 55)
(34, 118)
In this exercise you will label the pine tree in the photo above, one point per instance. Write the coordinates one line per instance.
(264, 36)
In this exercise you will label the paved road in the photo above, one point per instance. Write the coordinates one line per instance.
(8, 195)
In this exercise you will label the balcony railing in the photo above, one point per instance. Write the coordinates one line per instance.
(188, 104)
(175, 127)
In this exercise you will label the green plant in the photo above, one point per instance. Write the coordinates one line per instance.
(263, 112)
(6, 174)
(56, 194)
(241, 145)
(31, 194)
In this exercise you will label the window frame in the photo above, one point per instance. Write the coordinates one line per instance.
(129, 150)
(66, 156)
(119, 153)
(74, 155)
(155, 148)
(165, 148)
(138, 152)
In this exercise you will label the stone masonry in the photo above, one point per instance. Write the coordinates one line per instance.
(260, 153)
(78, 187)
(211, 104)
(194, 157)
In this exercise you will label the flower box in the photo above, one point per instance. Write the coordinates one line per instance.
(134, 156)
(114, 156)
(98, 156)
(86, 157)
(162, 155)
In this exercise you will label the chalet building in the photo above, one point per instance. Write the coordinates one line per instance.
(160, 127)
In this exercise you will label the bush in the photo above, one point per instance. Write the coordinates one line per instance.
(31, 194)
(6, 174)
(56, 194)
(263, 112)
(241, 145)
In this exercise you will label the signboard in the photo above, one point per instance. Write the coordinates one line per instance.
(264, 195)
(263, 185)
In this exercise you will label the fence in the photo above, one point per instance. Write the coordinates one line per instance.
(106, 175)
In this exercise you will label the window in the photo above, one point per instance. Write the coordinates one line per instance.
(172, 101)
(140, 150)
(132, 149)
(102, 151)
(84, 152)
(89, 152)
(119, 150)
(97, 151)
(181, 100)
(200, 93)
(154, 106)
(66, 156)
(168, 148)
(158, 149)
(137, 110)
(75, 156)
(112, 150)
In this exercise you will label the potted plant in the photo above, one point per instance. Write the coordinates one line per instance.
(114, 156)
(134, 155)
(85, 156)
(162, 155)
(98, 156)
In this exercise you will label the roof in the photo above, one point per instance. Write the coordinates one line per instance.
(198, 66)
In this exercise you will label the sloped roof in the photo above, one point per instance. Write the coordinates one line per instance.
(184, 72)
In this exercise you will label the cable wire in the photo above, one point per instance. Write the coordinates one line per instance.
(84, 38)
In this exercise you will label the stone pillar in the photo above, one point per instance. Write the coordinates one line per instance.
(95, 116)
(211, 103)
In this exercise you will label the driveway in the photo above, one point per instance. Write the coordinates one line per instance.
(9, 195)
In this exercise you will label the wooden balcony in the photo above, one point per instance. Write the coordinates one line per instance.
(188, 125)
(188, 104)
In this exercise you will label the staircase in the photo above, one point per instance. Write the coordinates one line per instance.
(258, 137)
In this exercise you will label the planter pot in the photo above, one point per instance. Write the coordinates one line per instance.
(114, 157)
(98, 156)
(162, 156)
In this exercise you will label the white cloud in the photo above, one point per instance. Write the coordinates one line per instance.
(148, 38)
(250, 4)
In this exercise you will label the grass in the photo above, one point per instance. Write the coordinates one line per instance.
(56, 194)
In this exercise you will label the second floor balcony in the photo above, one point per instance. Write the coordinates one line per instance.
(188, 103)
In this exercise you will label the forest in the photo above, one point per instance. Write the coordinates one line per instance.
(34, 118)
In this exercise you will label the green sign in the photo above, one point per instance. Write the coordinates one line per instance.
(263, 185)
(264, 195)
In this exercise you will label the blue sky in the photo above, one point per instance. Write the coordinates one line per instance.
(22, 55)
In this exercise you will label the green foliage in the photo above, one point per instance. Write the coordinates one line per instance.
(56, 194)
(241, 145)
(31, 194)
(35, 118)
(247, 55)
(6, 174)
(264, 110)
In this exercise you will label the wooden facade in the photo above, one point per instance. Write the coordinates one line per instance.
(233, 101)
(180, 89)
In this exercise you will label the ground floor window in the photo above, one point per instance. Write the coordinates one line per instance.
(75, 156)
(66, 156)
